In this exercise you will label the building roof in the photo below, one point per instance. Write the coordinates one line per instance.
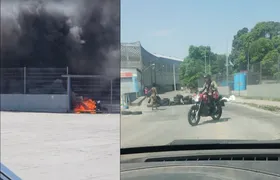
(167, 57)
(132, 48)
(137, 43)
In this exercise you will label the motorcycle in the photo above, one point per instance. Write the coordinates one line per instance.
(203, 108)
(100, 108)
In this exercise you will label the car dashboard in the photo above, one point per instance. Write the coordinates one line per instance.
(203, 165)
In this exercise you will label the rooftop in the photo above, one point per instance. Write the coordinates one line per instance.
(168, 57)
(138, 44)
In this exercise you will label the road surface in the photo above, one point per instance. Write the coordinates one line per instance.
(170, 123)
(61, 146)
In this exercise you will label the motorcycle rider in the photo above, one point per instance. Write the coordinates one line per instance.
(210, 86)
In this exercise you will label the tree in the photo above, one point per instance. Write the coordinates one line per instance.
(190, 70)
(238, 54)
(270, 63)
(193, 66)
(261, 45)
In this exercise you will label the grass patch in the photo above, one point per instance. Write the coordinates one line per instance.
(265, 107)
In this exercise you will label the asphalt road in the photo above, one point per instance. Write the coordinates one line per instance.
(61, 146)
(160, 127)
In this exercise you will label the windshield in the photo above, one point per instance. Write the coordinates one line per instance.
(197, 71)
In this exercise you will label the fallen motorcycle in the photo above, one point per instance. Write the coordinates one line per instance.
(100, 108)
(202, 108)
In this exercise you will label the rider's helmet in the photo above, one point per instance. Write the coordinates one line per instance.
(207, 77)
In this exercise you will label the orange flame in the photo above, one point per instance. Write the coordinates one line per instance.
(87, 105)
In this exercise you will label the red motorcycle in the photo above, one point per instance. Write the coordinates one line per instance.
(202, 107)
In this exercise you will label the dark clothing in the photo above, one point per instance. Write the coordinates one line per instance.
(210, 88)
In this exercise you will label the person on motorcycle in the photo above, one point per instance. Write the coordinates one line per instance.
(210, 86)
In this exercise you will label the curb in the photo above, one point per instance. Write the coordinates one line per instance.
(138, 103)
(269, 108)
(131, 112)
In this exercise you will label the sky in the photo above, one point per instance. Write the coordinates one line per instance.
(169, 27)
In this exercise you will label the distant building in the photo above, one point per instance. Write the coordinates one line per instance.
(140, 68)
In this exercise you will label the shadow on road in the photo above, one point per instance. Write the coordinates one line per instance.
(214, 121)
(159, 109)
(154, 110)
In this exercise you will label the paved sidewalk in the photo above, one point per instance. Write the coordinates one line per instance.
(257, 101)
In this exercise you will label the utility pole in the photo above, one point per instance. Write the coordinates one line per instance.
(279, 63)
(205, 60)
(174, 78)
(227, 65)
(248, 59)
(209, 71)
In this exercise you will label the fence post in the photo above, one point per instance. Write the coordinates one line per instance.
(69, 93)
(260, 73)
(24, 80)
(111, 98)
(67, 70)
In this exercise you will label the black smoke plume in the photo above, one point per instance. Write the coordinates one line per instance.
(83, 35)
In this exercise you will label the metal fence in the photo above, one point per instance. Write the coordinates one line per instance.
(51, 81)
(33, 80)
(99, 88)
(131, 55)
(264, 73)
(258, 74)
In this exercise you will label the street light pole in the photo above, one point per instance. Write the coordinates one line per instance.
(142, 73)
(248, 59)
(209, 71)
(227, 65)
(279, 63)
(205, 60)
(174, 78)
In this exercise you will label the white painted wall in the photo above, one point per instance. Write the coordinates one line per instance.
(34, 102)
(258, 91)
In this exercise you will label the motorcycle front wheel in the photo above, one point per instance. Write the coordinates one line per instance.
(218, 114)
(193, 116)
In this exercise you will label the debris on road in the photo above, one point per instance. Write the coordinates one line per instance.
(177, 100)
(180, 99)
(131, 112)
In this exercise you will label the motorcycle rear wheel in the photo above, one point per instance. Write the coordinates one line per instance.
(193, 118)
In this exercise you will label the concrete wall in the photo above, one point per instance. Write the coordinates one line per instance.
(264, 90)
(34, 103)
(258, 91)
(224, 90)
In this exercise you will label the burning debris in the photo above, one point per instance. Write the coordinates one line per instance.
(85, 106)
(83, 35)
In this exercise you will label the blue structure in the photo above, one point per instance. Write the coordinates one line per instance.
(240, 81)
(135, 84)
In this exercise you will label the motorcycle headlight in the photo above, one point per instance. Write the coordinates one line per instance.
(196, 98)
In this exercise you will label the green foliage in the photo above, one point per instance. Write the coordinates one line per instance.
(270, 62)
(260, 45)
(193, 66)
(190, 70)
